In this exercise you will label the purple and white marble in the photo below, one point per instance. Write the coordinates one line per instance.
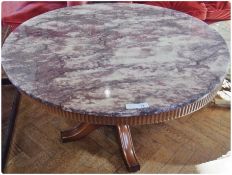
(95, 59)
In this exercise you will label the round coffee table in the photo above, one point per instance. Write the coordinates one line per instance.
(116, 64)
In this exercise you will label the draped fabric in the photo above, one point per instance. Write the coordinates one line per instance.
(196, 9)
(14, 13)
(217, 10)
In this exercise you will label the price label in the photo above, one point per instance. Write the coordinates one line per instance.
(137, 106)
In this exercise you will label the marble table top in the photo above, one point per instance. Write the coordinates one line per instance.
(94, 59)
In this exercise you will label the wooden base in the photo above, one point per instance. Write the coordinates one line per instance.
(125, 141)
(128, 148)
(77, 132)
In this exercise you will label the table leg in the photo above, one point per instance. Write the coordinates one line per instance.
(77, 132)
(128, 148)
(125, 139)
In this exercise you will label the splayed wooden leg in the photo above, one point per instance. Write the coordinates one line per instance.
(77, 132)
(128, 148)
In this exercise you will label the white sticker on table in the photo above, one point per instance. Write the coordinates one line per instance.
(137, 106)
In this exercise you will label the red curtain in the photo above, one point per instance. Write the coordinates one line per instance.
(196, 9)
(217, 10)
(14, 13)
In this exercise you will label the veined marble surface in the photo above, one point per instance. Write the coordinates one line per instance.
(95, 59)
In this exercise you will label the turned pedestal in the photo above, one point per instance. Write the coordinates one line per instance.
(124, 136)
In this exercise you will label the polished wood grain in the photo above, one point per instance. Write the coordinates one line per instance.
(128, 148)
(77, 132)
(80, 131)
(177, 146)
